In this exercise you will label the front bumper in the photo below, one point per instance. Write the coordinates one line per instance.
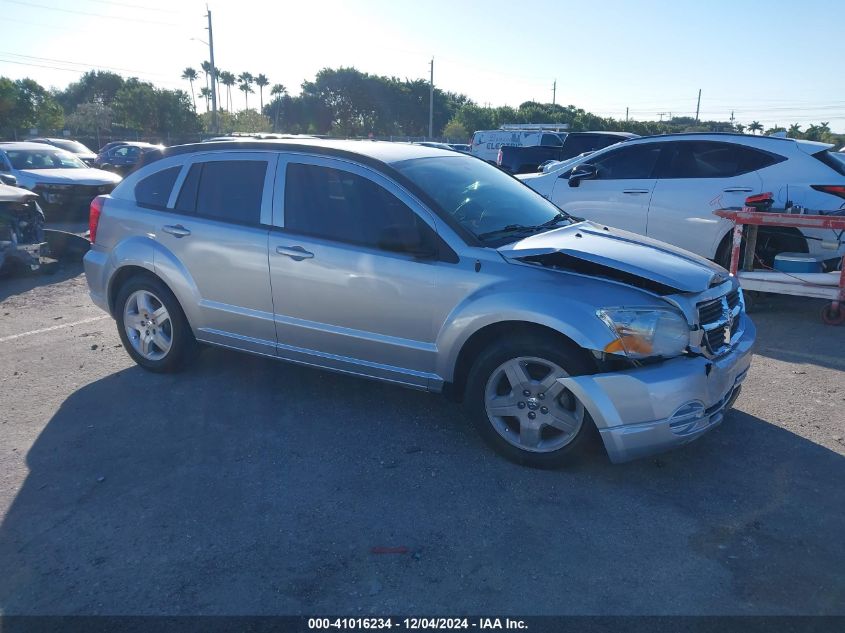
(640, 412)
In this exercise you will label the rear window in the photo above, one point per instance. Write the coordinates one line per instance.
(154, 190)
(551, 140)
(836, 161)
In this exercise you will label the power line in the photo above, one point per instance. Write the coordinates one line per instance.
(90, 14)
(86, 64)
(72, 70)
(136, 6)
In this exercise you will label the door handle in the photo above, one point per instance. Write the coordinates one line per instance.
(738, 190)
(296, 253)
(635, 191)
(176, 230)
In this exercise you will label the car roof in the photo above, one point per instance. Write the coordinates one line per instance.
(381, 151)
(767, 142)
(606, 133)
(24, 145)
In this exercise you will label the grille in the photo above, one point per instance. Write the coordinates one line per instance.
(719, 320)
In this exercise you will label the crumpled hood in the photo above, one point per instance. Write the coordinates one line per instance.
(587, 247)
(14, 194)
(73, 176)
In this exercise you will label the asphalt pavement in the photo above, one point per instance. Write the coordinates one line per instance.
(247, 486)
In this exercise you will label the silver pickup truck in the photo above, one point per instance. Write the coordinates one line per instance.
(428, 269)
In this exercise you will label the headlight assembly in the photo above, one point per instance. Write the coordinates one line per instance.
(646, 332)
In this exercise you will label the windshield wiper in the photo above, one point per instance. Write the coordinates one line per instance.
(510, 228)
(560, 217)
(519, 228)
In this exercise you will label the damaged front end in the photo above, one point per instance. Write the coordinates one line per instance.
(22, 242)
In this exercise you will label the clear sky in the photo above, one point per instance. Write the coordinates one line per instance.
(777, 62)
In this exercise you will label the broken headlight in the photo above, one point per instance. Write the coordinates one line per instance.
(646, 332)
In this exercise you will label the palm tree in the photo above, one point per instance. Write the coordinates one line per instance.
(205, 93)
(278, 90)
(191, 75)
(228, 80)
(261, 81)
(247, 90)
(755, 127)
(795, 130)
(246, 79)
(206, 68)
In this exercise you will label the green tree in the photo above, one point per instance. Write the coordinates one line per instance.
(455, 131)
(228, 80)
(206, 69)
(261, 81)
(278, 91)
(755, 127)
(794, 130)
(245, 86)
(205, 93)
(191, 75)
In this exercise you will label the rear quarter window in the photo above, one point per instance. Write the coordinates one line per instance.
(154, 190)
(835, 161)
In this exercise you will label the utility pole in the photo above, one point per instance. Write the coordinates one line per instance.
(554, 91)
(431, 103)
(698, 105)
(662, 114)
(626, 114)
(214, 126)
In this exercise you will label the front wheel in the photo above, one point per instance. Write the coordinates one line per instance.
(152, 326)
(519, 408)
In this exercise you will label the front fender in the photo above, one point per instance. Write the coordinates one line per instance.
(566, 304)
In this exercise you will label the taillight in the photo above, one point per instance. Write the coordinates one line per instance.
(499, 158)
(94, 217)
(835, 190)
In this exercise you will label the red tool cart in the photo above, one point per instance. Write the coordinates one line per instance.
(830, 285)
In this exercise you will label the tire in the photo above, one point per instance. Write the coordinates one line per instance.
(514, 434)
(163, 343)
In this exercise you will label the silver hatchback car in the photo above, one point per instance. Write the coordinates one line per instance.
(429, 269)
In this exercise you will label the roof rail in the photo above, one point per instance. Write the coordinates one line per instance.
(551, 127)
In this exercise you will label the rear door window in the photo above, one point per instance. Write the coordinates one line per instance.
(712, 159)
(228, 190)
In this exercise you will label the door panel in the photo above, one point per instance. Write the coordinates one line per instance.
(696, 177)
(620, 192)
(681, 210)
(227, 260)
(622, 204)
(347, 306)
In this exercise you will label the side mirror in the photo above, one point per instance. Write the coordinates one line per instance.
(401, 238)
(9, 179)
(584, 171)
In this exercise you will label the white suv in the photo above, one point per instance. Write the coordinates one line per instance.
(667, 187)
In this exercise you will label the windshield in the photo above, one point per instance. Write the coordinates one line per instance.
(484, 200)
(47, 158)
(72, 146)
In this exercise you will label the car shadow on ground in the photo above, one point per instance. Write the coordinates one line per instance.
(16, 282)
(245, 486)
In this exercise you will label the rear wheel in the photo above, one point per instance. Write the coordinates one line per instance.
(152, 326)
(519, 408)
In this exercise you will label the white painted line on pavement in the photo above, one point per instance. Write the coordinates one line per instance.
(12, 337)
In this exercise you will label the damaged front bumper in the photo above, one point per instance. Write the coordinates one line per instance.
(648, 410)
(28, 255)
